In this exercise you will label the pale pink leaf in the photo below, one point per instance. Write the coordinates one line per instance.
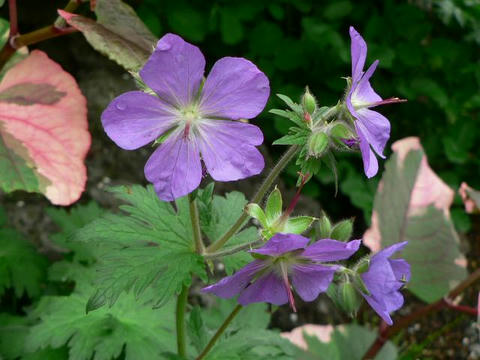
(322, 332)
(470, 197)
(42, 108)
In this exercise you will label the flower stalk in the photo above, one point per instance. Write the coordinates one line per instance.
(219, 332)
(195, 219)
(267, 183)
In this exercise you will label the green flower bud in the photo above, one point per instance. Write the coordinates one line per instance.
(318, 144)
(342, 231)
(325, 227)
(308, 102)
(349, 298)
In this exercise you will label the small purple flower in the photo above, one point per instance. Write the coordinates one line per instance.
(384, 278)
(195, 119)
(283, 258)
(373, 128)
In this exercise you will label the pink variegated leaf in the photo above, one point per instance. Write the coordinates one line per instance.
(413, 204)
(44, 134)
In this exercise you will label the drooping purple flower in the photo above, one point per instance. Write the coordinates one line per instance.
(285, 259)
(373, 129)
(196, 118)
(384, 278)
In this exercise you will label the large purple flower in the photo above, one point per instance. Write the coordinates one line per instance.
(195, 119)
(283, 258)
(384, 278)
(373, 129)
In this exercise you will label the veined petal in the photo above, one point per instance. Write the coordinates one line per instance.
(174, 168)
(232, 285)
(267, 288)
(174, 70)
(370, 162)
(330, 250)
(359, 54)
(135, 118)
(282, 243)
(363, 93)
(228, 149)
(389, 251)
(309, 280)
(376, 129)
(234, 89)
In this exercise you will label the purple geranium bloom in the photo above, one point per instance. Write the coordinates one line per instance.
(283, 258)
(195, 119)
(384, 278)
(373, 129)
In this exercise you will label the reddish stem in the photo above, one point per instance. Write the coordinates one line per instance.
(295, 199)
(12, 10)
(400, 324)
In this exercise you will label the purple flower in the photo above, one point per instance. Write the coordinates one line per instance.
(195, 119)
(285, 258)
(373, 129)
(384, 278)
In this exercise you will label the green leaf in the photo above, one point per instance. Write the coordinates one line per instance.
(196, 330)
(71, 221)
(187, 21)
(433, 245)
(130, 327)
(151, 246)
(291, 115)
(23, 276)
(295, 137)
(118, 34)
(347, 342)
(13, 331)
(297, 108)
(18, 174)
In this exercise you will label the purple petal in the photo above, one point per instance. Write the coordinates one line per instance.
(401, 269)
(363, 92)
(282, 243)
(389, 251)
(234, 89)
(267, 288)
(375, 128)
(134, 119)
(359, 54)
(232, 285)
(370, 162)
(310, 280)
(331, 250)
(379, 309)
(174, 70)
(174, 168)
(228, 149)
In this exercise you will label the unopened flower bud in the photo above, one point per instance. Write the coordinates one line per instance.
(308, 102)
(342, 231)
(363, 265)
(325, 227)
(318, 144)
(360, 285)
(349, 299)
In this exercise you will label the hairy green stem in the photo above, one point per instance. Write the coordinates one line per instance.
(385, 334)
(219, 332)
(267, 183)
(233, 250)
(195, 219)
(180, 321)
